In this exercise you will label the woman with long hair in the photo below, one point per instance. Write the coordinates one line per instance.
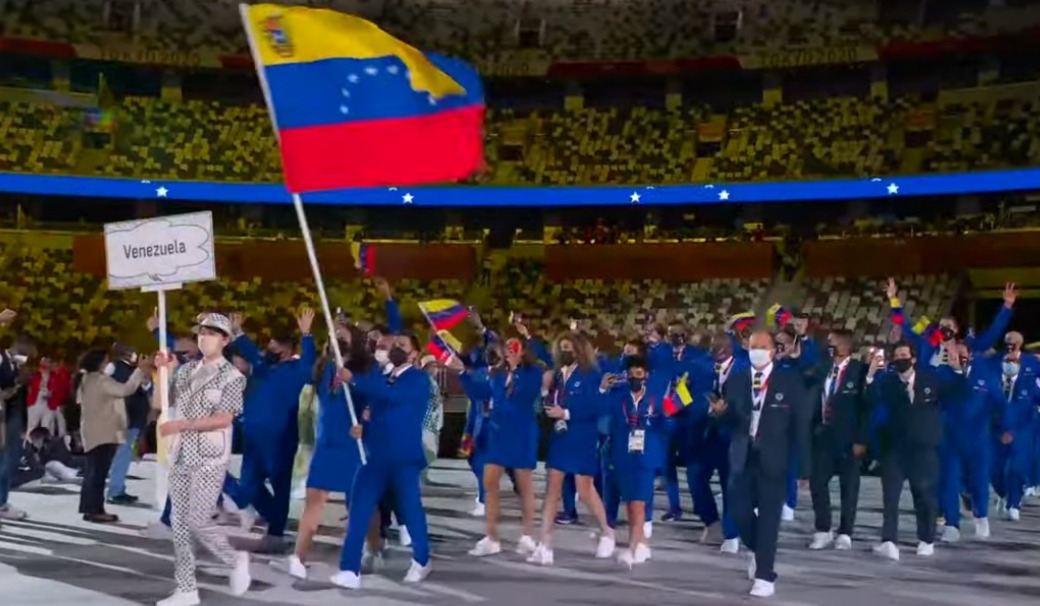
(572, 400)
(103, 426)
(510, 385)
(336, 459)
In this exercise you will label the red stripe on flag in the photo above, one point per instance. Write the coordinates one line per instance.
(446, 146)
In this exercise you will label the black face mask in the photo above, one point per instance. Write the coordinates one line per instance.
(678, 339)
(272, 357)
(902, 365)
(398, 356)
(492, 358)
(636, 383)
(567, 358)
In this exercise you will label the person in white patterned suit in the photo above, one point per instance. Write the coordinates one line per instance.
(205, 397)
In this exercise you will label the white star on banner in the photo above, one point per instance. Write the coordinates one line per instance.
(352, 78)
(723, 195)
(371, 71)
(161, 192)
(634, 197)
(346, 93)
(343, 109)
(893, 189)
(392, 69)
(709, 186)
(392, 189)
(432, 100)
(407, 198)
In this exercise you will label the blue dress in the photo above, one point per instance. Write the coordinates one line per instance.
(336, 459)
(634, 472)
(512, 427)
(574, 448)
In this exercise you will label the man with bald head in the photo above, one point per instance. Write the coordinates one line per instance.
(765, 408)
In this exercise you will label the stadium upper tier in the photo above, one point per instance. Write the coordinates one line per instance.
(834, 137)
(569, 29)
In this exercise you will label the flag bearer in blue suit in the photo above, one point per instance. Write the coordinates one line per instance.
(1014, 450)
(571, 400)
(336, 458)
(966, 452)
(270, 424)
(397, 403)
(511, 387)
(676, 357)
(714, 453)
(638, 438)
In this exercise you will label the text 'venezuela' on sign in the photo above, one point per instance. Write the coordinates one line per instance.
(163, 251)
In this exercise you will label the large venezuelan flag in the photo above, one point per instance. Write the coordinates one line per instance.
(355, 107)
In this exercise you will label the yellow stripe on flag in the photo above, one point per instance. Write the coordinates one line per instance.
(682, 391)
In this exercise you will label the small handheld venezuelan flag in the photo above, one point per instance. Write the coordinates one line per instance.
(678, 398)
(443, 314)
(364, 258)
(355, 107)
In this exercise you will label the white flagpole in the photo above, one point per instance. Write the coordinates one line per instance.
(243, 10)
(162, 462)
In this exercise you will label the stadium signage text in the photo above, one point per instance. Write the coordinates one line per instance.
(805, 57)
(151, 57)
(516, 64)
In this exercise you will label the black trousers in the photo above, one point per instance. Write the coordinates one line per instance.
(919, 466)
(96, 464)
(751, 488)
(829, 459)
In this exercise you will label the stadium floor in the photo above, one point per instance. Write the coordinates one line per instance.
(56, 559)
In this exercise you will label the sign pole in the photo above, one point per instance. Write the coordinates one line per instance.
(327, 311)
(162, 465)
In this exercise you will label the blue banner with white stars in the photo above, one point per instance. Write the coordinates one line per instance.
(475, 195)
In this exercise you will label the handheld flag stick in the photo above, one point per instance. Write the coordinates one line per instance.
(304, 228)
(326, 310)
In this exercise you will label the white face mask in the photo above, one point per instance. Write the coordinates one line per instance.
(1010, 369)
(382, 356)
(110, 368)
(760, 357)
(210, 345)
(19, 359)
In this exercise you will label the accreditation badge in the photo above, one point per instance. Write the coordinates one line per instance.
(636, 441)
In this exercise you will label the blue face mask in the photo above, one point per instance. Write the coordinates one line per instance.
(1010, 369)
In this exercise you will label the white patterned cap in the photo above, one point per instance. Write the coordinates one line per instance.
(216, 322)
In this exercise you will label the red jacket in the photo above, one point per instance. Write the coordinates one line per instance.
(59, 383)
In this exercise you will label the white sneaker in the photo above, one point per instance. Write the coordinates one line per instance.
(403, 537)
(297, 569)
(648, 529)
(371, 561)
(247, 518)
(346, 580)
(730, 546)
(486, 547)
(821, 540)
(626, 558)
(10, 512)
(478, 510)
(950, 534)
(158, 531)
(1031, 491)
(752, 566)
(787, 514)
(999, 503)
(641, 553)
(843, 543)
(925, 549)
(605, 546)
(762, 589)
(526, 545)
(240, 579)
(186, 598)
(712, 533)
(982, 528)
(1014, 514)
(542, 556)
(887, 550)
(417, 572)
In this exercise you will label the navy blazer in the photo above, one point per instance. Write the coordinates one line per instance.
(783, 429)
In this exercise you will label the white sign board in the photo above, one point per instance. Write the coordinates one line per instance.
(152, 253)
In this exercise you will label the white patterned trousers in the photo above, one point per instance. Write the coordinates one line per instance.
(193, 494)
